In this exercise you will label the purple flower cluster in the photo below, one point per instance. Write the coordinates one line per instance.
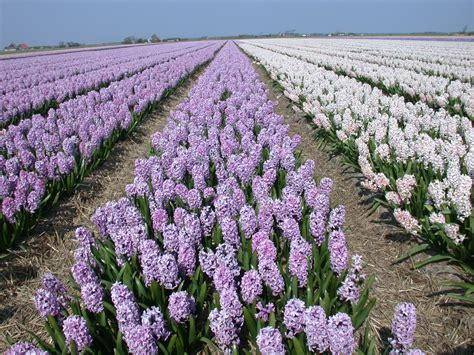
(350, 288)
(251, 286)
(316, 329)
(341, 334)
(293, 317)
(23, 348)
(181, 306)
(75, 329)
(270, 342)
(338, 251)
(403, 328)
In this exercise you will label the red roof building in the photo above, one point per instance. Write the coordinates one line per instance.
(23, 46)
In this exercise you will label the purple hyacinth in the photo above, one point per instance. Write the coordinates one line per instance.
(230, 232)
(140, 340)
(300, 253)
(291, 229)
(338, 251)
(264, 311)
(92, 294)
(75, 329)
(248, 220)
(153, 319)
(84, 237)
(230, 303)
(193, 198)
(223, 278)
(403, 327)
(192, 227)
(24, 348)
(178, 217)
(56, 287)
(325, 185)
(82, 273)
(292, 204)
(170, 237)
(225, 328)
(207, 219)
(167, 271)
(316, 329)
(336, 218)
(350, 288)
(293, 317)
(181, 306)
(341, 334)
(160, 220)
(186, 259)
(149, 257)
(208, 192)
(270, 342)
(317, 226)
(251, 286)
(128, 314)
(272, 277)
(47, 303)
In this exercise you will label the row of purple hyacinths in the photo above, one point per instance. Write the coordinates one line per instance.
(22, 95)
(41, 153)
(224, 241)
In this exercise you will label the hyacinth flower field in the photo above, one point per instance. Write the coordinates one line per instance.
(229, 236)
(419, 161)
(45, 156)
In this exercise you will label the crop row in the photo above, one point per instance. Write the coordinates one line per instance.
(224, 243)
(437, 92)
(353, 51)
(28, 72)
(23, 103)
(421, 161)
(45, 156)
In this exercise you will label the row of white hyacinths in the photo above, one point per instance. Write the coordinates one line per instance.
(420, 159)
(435, 90)
(449, 60)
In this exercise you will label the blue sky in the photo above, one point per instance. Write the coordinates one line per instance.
(50, 21)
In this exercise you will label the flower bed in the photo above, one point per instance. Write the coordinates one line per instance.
(224, 243)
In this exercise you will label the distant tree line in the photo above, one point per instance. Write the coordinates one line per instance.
(132, 39)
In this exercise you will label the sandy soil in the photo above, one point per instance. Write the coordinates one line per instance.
(51, 246)
(443, 327)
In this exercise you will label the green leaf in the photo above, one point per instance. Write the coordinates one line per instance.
(461, 298)
(214, 348)
(361, 316)
(250, 322)
(433, 259)
(171, 343)
(297, 347)
(416, 250)
(192, 330)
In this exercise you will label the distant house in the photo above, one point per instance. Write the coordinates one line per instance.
(10, 49)
(22, 46)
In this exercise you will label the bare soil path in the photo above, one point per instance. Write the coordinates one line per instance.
(443, 328)
(51, 246)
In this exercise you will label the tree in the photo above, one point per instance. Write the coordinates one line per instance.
(62, 44)
(140, 40)
(154, 38)
(129, 40)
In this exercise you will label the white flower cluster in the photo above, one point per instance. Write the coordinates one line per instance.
(432, 83)
(394, 139)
